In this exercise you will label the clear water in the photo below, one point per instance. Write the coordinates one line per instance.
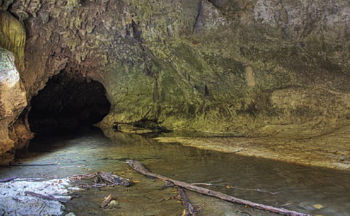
(269, 182)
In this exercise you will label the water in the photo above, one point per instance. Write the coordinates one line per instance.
(294, 187)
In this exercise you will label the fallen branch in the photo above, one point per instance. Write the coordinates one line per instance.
(250, 189)
(103, 179)
(87, 186)
(7, 179)
(29, 179)
(190, 209)
(47, 197)
(143, 170)
(106, 201)
(204, 184)
(29, 165)
(112, 179)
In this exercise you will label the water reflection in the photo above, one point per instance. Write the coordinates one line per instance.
(306, 189)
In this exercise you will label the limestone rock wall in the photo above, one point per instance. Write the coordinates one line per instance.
(13, 37)
(14, 130)
(12, 102)
(240, 67)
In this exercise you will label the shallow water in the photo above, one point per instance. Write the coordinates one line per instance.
(269, 182)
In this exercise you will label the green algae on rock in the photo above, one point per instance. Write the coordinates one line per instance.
(331, 150)
(13, 37)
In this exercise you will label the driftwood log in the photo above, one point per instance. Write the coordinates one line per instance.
(47, 197)
(28, 165)
(190, 209)
(106, 201)
(7, 179)
(102, 179)
(139, 167)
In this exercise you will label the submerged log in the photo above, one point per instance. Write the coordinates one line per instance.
(190, 209)
(106, 201)
(112, 179)
(29, 165)
(47, 197)
(139, 167)
(103, 179)
(7, 179)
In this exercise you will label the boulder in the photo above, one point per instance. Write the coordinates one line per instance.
(12, 99)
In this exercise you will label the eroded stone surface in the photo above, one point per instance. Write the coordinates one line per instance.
(330, 150)
(15, 200)
(12, 100)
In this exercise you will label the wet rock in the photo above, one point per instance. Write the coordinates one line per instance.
(318, 206)
(306, 206)
(12, 99)
(209, 18)
(15, 199)
(113, 204)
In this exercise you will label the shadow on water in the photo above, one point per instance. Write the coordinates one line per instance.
(306, 189)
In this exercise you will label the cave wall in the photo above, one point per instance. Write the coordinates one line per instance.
(14, 131)
(240, 67)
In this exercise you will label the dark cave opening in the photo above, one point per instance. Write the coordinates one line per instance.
(66, 104)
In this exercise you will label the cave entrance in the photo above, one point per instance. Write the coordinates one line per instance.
(66, 104)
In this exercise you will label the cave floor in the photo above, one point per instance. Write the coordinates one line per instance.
(331, 150)
(318, 191)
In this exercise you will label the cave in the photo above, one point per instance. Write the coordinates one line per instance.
(66, 104)
(245, 100)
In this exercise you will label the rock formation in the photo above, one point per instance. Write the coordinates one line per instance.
(235, 67)
(12, 102)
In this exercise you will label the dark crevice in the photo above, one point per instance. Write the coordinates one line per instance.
(136, 31)
(66, 104)
(197, 23)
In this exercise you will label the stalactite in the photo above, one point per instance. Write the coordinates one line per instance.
(13, 37)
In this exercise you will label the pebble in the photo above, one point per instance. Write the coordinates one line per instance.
(113, 204)
(306, 206)
(318, 206)
(70, 214)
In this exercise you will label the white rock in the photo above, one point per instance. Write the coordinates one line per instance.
(14, 201)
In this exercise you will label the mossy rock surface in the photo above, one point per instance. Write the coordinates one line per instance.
(13, 37)
(226, 67)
